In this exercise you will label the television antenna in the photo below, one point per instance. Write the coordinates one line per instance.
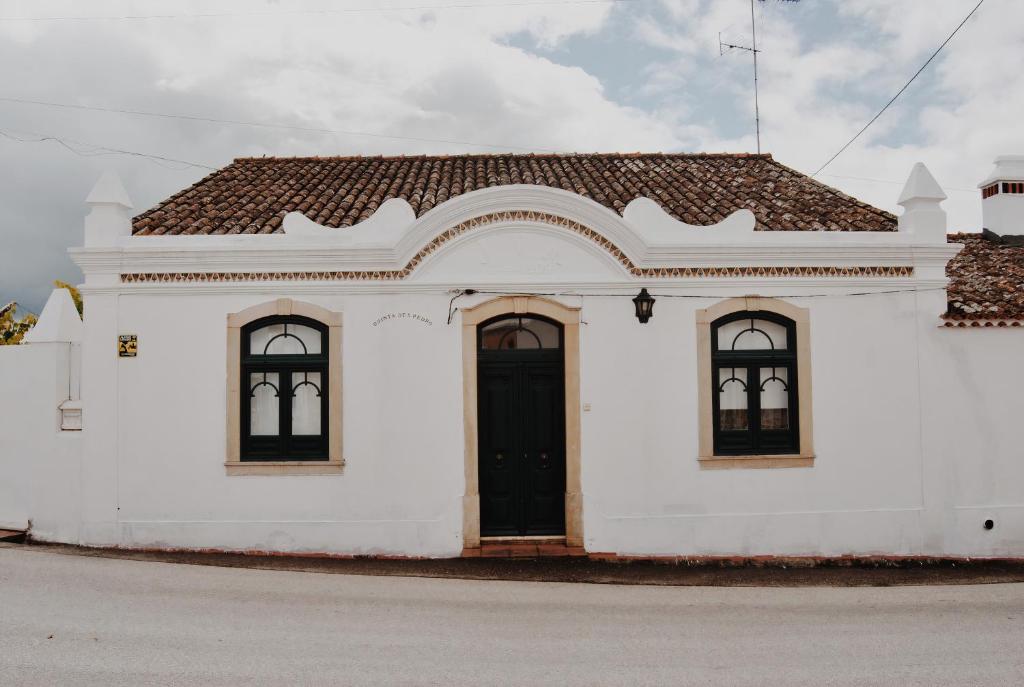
(752, 49)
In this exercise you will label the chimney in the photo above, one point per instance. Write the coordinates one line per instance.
(1002, 196)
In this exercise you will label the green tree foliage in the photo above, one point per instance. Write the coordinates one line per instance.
(13, 329)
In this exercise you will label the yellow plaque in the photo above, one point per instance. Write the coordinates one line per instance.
(127, 345)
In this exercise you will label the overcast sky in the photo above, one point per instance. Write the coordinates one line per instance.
(487, 75)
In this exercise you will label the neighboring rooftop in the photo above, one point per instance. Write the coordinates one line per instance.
(252, 195)
(986, 281)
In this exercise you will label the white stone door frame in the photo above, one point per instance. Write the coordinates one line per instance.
(569, 318)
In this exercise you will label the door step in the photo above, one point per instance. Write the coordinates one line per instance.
(519, 547)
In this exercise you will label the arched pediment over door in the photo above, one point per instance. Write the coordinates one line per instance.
(520, 233)
(522, 246)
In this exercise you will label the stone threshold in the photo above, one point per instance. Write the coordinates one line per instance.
(523, 547)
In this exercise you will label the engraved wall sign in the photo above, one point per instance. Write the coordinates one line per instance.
(403, 316)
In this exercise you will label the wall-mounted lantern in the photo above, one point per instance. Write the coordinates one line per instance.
(644, 303)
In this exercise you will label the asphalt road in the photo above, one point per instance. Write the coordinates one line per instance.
(79, 620)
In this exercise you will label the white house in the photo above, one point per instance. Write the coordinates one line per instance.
(652, 355)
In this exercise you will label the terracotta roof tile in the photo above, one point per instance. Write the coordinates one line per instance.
(986, 279)
(252, 195)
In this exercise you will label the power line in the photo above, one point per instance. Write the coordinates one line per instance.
(96, 150)
(896, 183)
(885, 292)
(272, 125)
(905, 86)
(346, 10)
(459, 293)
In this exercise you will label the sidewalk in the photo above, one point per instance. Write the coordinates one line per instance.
(733, 572)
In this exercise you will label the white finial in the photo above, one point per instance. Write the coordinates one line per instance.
(110, 218)
(109, 191)
(921, 185)
(923, 215)
(59, 321)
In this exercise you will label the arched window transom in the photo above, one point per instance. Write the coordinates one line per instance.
(754, 377)
(520, 333)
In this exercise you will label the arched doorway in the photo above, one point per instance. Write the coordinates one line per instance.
(522, 419)
(521, 426)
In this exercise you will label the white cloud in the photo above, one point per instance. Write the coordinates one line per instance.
(445, 74)
(504, 75)
(821, 83)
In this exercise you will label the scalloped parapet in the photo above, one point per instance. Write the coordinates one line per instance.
(384, 227)
(655, 226)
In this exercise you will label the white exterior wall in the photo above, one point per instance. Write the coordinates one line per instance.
(646, 493)
(914, 425)
(401, 490)
(972, 418)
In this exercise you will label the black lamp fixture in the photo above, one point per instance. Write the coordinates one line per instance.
(644, 303)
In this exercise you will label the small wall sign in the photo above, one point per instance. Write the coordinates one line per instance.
(415, 317)
(127, 345)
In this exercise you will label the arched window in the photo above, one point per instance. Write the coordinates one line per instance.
(754, 385)
(284, 389)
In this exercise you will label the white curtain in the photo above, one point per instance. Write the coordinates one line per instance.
(765, 336)
(273, 340)
(774, 398)
(263, 404)
(732, 399)
(306, 403)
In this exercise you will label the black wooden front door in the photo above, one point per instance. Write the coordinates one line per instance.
(521, 419)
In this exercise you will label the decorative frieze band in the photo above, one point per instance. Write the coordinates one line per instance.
(524, 216)
(975, 324)
(204, 277)
(667, 272)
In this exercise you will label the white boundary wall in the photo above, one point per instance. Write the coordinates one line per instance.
(39, 463)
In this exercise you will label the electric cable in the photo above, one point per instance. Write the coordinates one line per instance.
(905, 87)
(344, 10)
(270, 125)
(99, 150)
